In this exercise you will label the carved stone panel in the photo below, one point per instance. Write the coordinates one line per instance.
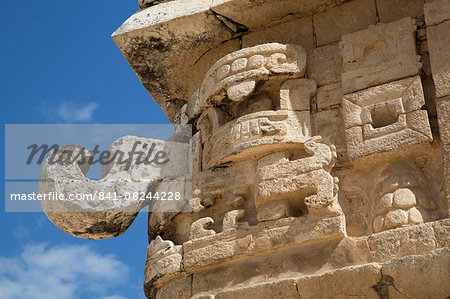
(379, 54)
(385, 117)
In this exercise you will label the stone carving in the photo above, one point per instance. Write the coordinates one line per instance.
(231, 219)
(380, 54)
(272, 215)
(385, 117)
(164, 257)
(81, 218)
(401, 198)
(290, 187)
(237, 74)
(199, 228)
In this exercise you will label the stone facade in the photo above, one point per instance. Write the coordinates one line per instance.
(321, 147)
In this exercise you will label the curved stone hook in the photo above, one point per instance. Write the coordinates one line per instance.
(108, 207)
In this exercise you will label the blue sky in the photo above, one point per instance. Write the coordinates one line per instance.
(58, 64)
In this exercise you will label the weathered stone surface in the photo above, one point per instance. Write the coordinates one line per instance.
(436, 11)
(379, 54)
(355, 281)
(385, 117)
(329, 96)
(430, 272)
(178, 288)
(296, 94)
(237, 139)
(391, 10)
(282, 289)
(443, 113)
(236, 75)
(446, 164)
(438, 44)
(441, 232)
(324, 64)
(97, 218)
(418, 239)
(259, 239)
(296, 31)
(163, 257)
(262, 13)
(332, 24)
(328, 123)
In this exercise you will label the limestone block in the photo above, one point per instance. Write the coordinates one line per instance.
(328, 124)
(178, 288)
(443, 113)
(419, 276)
(350, 17)
(324, 64)
(354, 281)
(298, 31)
(279, 289)
(391, 10)
(254, 15)
(385, 117)
(446, 181)
(260, 238)
(412, 240)
(236, 75)
(442, 232)
(296, 94)
(438, 44)
(329, 96)
(164, 45)
(379, 54)
(436, 11)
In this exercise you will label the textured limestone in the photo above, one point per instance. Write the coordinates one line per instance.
(436, 11)
(97, 218)
(332, 24)
(335, 284)
(391, 10)
(324, 64)
(379, 54)
(385, 117)
(443, 112)
(296, 31)
(329, 96)
(438, 44)
(430, 269)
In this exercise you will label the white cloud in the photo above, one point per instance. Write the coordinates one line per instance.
(70, 112)
(41, 271)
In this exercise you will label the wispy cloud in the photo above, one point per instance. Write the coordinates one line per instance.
(69, 112)
(42, 271)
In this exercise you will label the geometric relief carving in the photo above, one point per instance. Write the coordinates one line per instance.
(379, 54)
(385, 117)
